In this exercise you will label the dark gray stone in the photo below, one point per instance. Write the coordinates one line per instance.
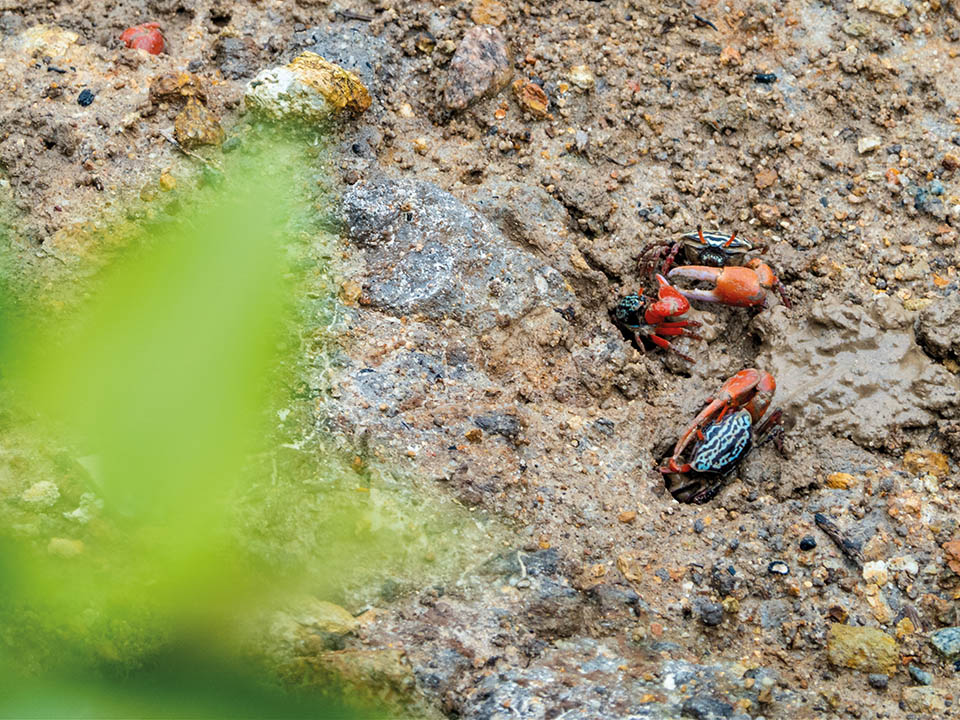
(710, 613)
(506, 424)
(878, 681)
(705, 707)
(919, 675)
(237, 57)
(428, 253)
(353, 48)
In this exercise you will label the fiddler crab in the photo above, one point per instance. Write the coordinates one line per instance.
(720, 259)
(655, 320)
(725, 430)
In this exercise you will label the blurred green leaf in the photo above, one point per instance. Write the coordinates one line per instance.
(157, 514)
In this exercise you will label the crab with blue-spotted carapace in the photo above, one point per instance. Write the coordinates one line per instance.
(725, 430)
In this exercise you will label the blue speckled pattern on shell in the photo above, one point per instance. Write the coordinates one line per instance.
(723, 444)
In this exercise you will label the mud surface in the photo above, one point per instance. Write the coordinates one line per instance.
(484, 246)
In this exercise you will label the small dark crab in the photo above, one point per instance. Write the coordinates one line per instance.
(720, 261)
(699, 248)
(646, 318)
(725, 430)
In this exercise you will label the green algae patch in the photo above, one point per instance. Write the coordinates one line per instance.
(165, 479)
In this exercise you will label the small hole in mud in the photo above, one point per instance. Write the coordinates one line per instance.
(686, 488)
(220, 18)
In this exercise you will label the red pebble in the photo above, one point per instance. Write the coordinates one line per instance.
(144, 37)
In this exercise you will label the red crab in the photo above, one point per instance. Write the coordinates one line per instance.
(725, 430)
(642, 318)
(144, 37)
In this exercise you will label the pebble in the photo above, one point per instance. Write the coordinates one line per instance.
(765, 178)
(309, 89)
(176, 88)
(890, 8)
(481, 67)
(47, 40)
(841, 481)
(878, 681)
(85, 98)
(808, 542)
(167, 182)
(531, 98)
(876, 572)
(488, 12)
(926, 462)
(711, 613)
(903, 563)
(144, 37)
(778, 567)
(950, 161)
(868, 144)
(856, 28)
(237, 57)
(919, 675)
(195, 126)
(952, 548)
(769, 215)
(924, 700)
(947, 642)
(582, 77)
(43, 494)
(862, 648)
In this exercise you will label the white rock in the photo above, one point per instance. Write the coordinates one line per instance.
(868, 144)
(876, 572)
(890, 8)
(904, 563)
(309, 88)
(43, 493)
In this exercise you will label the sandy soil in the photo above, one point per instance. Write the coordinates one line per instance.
(511, 390)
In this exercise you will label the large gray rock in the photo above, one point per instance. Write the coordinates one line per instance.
(938, 328)
(353, 48)
(429, 254)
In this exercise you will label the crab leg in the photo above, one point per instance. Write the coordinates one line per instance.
(668, 263)
(665, 344)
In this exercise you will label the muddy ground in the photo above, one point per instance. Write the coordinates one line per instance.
(483, 248)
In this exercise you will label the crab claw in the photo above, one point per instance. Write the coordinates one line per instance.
(733, 285)
(749, 389)
(670, 303)
(767, 279)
